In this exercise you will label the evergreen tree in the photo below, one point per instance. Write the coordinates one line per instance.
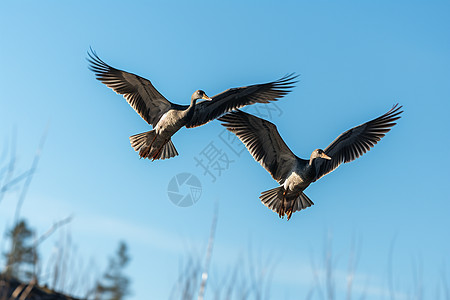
(22, 257)
(115, 284)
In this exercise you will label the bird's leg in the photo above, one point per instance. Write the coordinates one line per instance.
(281, 212)
(159, 151)
(145, 150)
(289, 213)
(154, 138)
(283, 203)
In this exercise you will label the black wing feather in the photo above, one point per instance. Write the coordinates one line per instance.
(139, 92)
(263, 141)
(356, 141)
(235, 98)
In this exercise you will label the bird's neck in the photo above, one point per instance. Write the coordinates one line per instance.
(193, 102)
(190, 110)
(310, 170)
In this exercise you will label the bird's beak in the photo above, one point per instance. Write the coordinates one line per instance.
(206, 97)
(326, 156)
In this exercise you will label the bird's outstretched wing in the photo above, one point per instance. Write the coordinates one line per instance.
(355, 142)
(235, 98)
(139, 92)
(263, 141)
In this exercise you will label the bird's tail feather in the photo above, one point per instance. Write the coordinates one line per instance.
(276, 201)
(303, 201)
(142, 142)
(272, 198)
(167, 151)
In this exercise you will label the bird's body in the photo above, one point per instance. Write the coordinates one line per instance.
(156, 143)
(168, 125)
(166, 117)
(298, 180)
(295, 174)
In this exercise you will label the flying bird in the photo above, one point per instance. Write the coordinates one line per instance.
(295, 174)
(167, 117)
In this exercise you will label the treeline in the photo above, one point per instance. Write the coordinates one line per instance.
(22, 264)
(21, 273)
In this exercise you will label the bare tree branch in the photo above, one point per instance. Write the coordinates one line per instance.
(27, 183)
(209, 253)
(52, 229)
(11, 166)
(28, 290)
(390, 271)
(352, 264)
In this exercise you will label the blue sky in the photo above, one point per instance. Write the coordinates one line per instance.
(355, 60)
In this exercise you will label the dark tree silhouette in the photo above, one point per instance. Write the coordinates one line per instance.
(115, 284)
(21, 258)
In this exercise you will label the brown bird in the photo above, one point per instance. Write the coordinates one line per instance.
(167, 117)
(293, 173)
